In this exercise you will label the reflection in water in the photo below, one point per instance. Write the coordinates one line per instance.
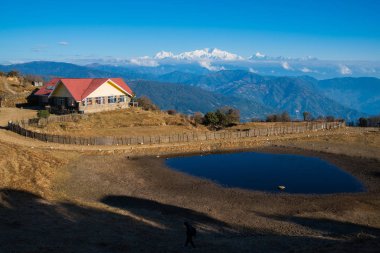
(265, 172)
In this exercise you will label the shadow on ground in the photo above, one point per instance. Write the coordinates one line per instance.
(159, 212)
(29, 223)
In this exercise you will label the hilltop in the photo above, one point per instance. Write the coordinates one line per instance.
(14, 90)
(127, 122)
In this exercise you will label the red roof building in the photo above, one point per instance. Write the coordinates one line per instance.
(47, 88)
(86, 94)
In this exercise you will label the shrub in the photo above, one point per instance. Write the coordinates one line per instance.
(363, 122)
(228, 116)
(13, 73)
(223, 117)
(211, 119)
(171, 112)
(307, 116)
(272, 118)
(330, 118)
(198, 118)
(373, 121)
(256, 120)
(283, 117)
(147, 104)
(43, 114)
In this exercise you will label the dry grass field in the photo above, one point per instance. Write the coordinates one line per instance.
(14, 86)
(56, 200)
(15, 114)
(137, 122)
(129, 122)
(358, 142)
(248, 125)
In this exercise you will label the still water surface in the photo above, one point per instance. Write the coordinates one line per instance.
(265, 172)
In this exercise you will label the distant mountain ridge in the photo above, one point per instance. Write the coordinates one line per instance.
(255, 95)
(362, 94)
(200, 61)
(214, 59)
(292, 94)
(55, 69)
(190, 99)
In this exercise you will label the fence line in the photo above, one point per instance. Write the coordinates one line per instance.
(19, 127)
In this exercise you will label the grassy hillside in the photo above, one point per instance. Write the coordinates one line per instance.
(128, 122)
(361, 93)
(278, 93)
(189, 99)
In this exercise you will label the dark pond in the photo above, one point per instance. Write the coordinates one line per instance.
(265, 172)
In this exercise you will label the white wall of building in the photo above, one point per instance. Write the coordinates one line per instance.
(105, 90)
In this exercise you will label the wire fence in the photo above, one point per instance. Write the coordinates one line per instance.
(20, 128)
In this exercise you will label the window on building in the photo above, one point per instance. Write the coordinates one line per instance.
(60, 101)
(112, 99)
(99, 100)
(121, 99)
(70, 102)
(89, 101)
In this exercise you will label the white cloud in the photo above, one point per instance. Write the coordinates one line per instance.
(344, 70)
(207, 64)
(259, 55)
(306, 70)
(63, 43)
(286, 65)
(145, 61)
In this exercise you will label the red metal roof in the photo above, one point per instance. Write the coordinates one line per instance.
(80, 88)
(47, 88)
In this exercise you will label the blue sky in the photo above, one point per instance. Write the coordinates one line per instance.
(59, 30)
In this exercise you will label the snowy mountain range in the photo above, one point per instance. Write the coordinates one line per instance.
(216, 59)
(201, 54)
(205, 60)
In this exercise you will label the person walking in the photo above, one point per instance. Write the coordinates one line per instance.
(190, 233)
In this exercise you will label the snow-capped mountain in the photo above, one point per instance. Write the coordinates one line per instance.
(262, 57)
(200, 54)
(258, 56)
(163, 55)
(202, 60)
